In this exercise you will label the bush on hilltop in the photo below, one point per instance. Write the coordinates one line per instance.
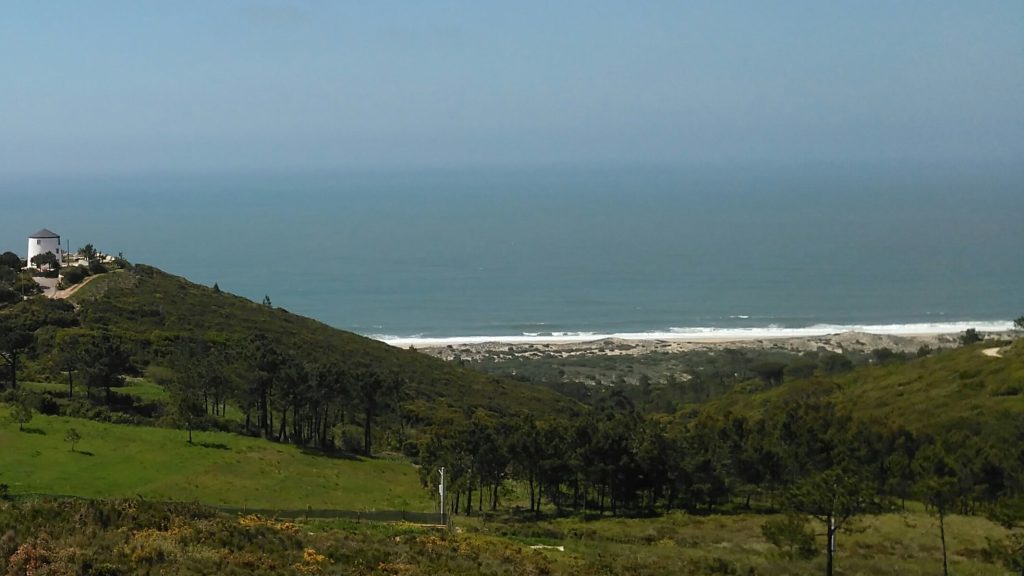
(11, 260)
(8, 296)
(25, 285)
(970, 336)
(74, 274)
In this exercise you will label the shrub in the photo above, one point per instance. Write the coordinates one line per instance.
(21, 414)
(770, 372)
(97, 267)
(47, 405)
(11, 260)
(7, 274)
(350, 438)
(410, 449)
(1007, 389)
(72, 437)
(885, 355)
(834, 363)
(26, 286)
(74, 274)
(713, 565)
(970, 336)
(8, 296)
(800, 368)
(791, 536)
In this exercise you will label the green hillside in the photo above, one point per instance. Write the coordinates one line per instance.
(963, 387)
(941, 390)
(154, 308)
(136, 322)
(733, 485)
(118, 461)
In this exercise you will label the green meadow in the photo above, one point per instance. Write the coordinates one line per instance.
(219, 469)
(904, 544)
(141, 388)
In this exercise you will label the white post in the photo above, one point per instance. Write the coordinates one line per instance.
(441, 489)
(832, 538)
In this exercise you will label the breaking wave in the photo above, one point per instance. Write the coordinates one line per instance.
(701, 333)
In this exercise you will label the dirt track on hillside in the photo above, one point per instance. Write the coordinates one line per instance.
(62, 294)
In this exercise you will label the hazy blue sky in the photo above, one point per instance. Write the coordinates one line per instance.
(193, 86)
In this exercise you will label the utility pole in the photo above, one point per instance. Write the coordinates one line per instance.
(440, 488)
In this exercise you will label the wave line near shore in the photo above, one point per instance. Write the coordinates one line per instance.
(703, 334)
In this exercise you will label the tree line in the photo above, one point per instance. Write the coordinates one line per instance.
(806, 457)
(283, 394)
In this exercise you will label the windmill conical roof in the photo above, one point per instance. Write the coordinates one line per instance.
(44, 233)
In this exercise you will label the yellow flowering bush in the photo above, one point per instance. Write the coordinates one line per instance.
(312, 562)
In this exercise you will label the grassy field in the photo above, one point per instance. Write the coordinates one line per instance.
(898, 544)
(141, 388)
(138, 537)
(229, 470)
(144, 390)
(219, 469)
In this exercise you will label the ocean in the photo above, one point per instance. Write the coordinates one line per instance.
(422, 256)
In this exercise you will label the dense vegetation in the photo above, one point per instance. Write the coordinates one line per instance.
(809, 442)
(292, 379)
(945, 429)
(140, 537)
(816, 423)
(15, 284)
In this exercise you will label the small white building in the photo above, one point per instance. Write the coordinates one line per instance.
(42, 242)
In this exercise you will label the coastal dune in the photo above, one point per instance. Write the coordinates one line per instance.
(707, 334)
(907, 340)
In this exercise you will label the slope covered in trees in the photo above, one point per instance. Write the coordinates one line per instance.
(284, 376)
(945, 430)
(825, 444)
(156, 309)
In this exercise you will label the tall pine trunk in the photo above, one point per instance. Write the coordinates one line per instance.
(282, 433)
(367, 429)
(531, 491)
(831, 546)
(942, 535)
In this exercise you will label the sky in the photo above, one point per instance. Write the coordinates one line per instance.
(192, 87)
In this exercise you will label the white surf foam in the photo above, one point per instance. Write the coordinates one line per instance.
(704, 333)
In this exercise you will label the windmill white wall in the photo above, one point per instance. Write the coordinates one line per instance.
(42, 242)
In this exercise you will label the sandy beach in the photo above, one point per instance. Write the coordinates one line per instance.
(849, 341)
